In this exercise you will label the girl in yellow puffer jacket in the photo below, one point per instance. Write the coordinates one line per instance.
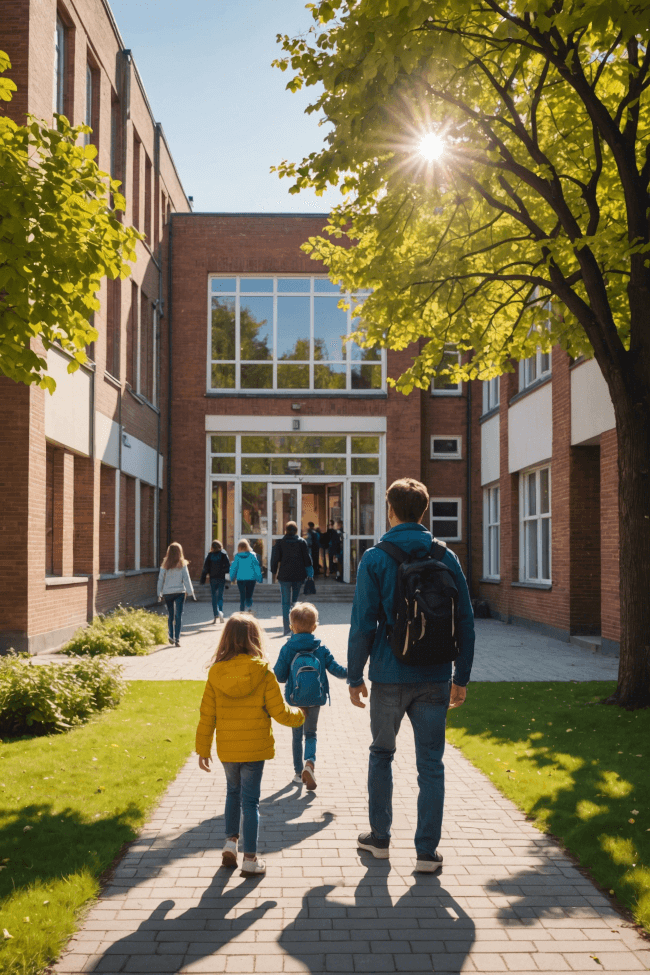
(241, 696)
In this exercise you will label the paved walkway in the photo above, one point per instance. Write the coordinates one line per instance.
(507, 899)
(503, 652)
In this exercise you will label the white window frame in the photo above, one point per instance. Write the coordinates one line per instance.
(491, 531)
(59, 66)
(491, 394)
(88, 120)
(459, 517)
(443, 455)
(525, 519)
(349, 363)
(534, 369)
(456, 390)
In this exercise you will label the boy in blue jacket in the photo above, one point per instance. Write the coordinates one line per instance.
(303, 664)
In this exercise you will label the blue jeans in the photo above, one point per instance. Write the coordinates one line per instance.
(290, 594)
(426, 706)
(309, 729)
(216, 587)
(175, 602)
(246, 590)
(243, 785)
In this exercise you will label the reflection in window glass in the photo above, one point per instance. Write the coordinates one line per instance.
(256, 285)
(442, 383)
(255, 465)
(326, 286)
(292, 444)
(223, 514)
(253, 507)
(308, 465)
(366, 377)
(223, 377)
(330, 329)
(256, 328)
(366, 355)
(363, 509)
(330, 377)
(223, 465)
(223, 328)
(293, 377)
(223, 445)
(256, 377)
(357, 547)
(544, 490)
(365, 465)
(293, 328)
(445, 519)
(224, 284)
(293, 284)
(365, 445)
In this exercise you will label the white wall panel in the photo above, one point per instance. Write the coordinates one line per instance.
(139, 459)
(591, 406)
(490, 450)
(107, 440)
(530, 429)
(67, 410)
(284, 424)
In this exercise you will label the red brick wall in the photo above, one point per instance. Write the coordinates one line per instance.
(107, 520)
(609, 538)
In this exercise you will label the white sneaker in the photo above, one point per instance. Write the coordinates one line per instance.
(214, 620)
(297, 779)
(229, 853)
(220, 617)
(253, 867)
(308, 776)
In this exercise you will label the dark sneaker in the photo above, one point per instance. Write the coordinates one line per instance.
(427, 863)
(378, 848)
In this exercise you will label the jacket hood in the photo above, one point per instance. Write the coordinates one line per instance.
(239, 676)
(411, 537)
(292, 538)
(246, 555)
(303, 641)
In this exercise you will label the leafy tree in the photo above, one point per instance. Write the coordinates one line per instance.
(59, 237)
(531, 228)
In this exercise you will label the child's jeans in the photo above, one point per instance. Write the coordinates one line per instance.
(243, 785)
(309, 730)
(217, 586)
(246, 590)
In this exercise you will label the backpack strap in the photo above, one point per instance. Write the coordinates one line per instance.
(395, 553)
(438, 550)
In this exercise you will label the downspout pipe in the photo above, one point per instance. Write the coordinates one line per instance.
(468, 457)
(170, 373)
(159, 314)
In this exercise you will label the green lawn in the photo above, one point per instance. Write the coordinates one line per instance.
(69, 802)
(578, 768)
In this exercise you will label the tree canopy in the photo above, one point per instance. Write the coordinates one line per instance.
(59, 236)
(531, 226)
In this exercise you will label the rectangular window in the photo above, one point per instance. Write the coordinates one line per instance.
(286, 334)
(147, 199)
(113, 325)
(533, 369)
(59, 67)
(535, 526)
(267, 455)
(490, 393)
(49, 510)
(442, 384)
(146, 349)
(446, 519)
(491, 532)
(132, 329)
(135, 188)
(446, 448)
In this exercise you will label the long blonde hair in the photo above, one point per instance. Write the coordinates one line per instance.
(174, 558)
(241, 634)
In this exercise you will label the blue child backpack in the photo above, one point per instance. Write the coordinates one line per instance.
(307, 680)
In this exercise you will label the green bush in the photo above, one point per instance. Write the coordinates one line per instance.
(40, 699)
(126, 632)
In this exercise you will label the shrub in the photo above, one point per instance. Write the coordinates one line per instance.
(126, 632)
(39, 700)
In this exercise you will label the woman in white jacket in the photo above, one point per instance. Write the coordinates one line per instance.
(173, 584)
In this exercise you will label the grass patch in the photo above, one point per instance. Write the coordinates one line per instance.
(579, 769)
(125, 632)
(69, 802)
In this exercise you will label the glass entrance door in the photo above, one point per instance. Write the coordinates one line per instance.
(286, 505)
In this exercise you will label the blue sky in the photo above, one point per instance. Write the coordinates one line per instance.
(206, 67)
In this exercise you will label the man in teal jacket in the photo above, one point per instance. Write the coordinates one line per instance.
(422, 693)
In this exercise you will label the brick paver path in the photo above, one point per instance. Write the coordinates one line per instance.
(507, 899)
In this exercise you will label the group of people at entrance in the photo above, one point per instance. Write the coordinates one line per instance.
(411, 623)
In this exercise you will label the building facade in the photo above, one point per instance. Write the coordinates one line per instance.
(82, 482)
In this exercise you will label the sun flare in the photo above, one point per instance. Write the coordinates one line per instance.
(431, 147)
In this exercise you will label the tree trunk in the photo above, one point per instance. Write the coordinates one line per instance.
(633, 431)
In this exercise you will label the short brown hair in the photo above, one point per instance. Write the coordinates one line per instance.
(303, 617)
(408, 498)
(291, 528)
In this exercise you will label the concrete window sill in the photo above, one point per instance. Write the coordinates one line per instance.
(491, 580)
(532, 585)
(51, 581)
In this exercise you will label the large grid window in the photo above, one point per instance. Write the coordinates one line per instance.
(491, 530)
(271, 455)
(535, 526)
(445, 519)
(277, 333)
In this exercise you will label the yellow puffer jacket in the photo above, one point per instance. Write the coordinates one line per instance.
(240, 698)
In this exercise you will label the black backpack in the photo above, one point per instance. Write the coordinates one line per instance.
(426, 608)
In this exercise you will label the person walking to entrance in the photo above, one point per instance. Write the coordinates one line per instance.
(245, 570)
(291, 561)
(336, 549)
(174, 584)
(421, 690)
(313, 541)
(216, 566)
(325, 546)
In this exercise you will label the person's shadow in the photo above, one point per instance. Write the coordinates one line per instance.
(425, 930)
(203, 929)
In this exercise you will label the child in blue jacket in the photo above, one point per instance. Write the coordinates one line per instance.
(295, 656)
(245, 570)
